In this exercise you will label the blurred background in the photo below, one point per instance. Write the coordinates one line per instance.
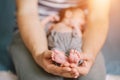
(111, 49)
(7, 8)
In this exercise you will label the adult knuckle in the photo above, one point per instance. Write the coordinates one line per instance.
(47, 69)
(85, 73)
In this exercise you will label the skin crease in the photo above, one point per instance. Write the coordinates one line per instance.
(72, 20)
(33, 35)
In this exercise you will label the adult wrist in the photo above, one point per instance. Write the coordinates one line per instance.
(40, 57)
(89, 55)
(37, 58)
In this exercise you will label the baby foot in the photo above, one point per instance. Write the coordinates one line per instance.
(59, 56)
(74, 56)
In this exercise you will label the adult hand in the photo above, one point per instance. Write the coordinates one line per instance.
(85, 67)
(45, 61)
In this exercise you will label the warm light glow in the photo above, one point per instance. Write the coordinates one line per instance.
(99, 8)
(99, 4)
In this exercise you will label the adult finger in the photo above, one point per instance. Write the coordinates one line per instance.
(49, 67)
(84, 68)
(54, 69)
(60, 71)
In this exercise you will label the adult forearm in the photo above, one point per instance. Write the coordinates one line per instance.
(94, 37)
(32, 32)
(98, 23)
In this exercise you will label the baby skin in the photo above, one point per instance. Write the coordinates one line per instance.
(72, 20)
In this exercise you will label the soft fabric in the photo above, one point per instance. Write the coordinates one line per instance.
(7, 75)
(48, 7)
(27, 69)
(64, 41)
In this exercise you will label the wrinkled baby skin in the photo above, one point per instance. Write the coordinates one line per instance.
(60, 57)
(74, 57)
